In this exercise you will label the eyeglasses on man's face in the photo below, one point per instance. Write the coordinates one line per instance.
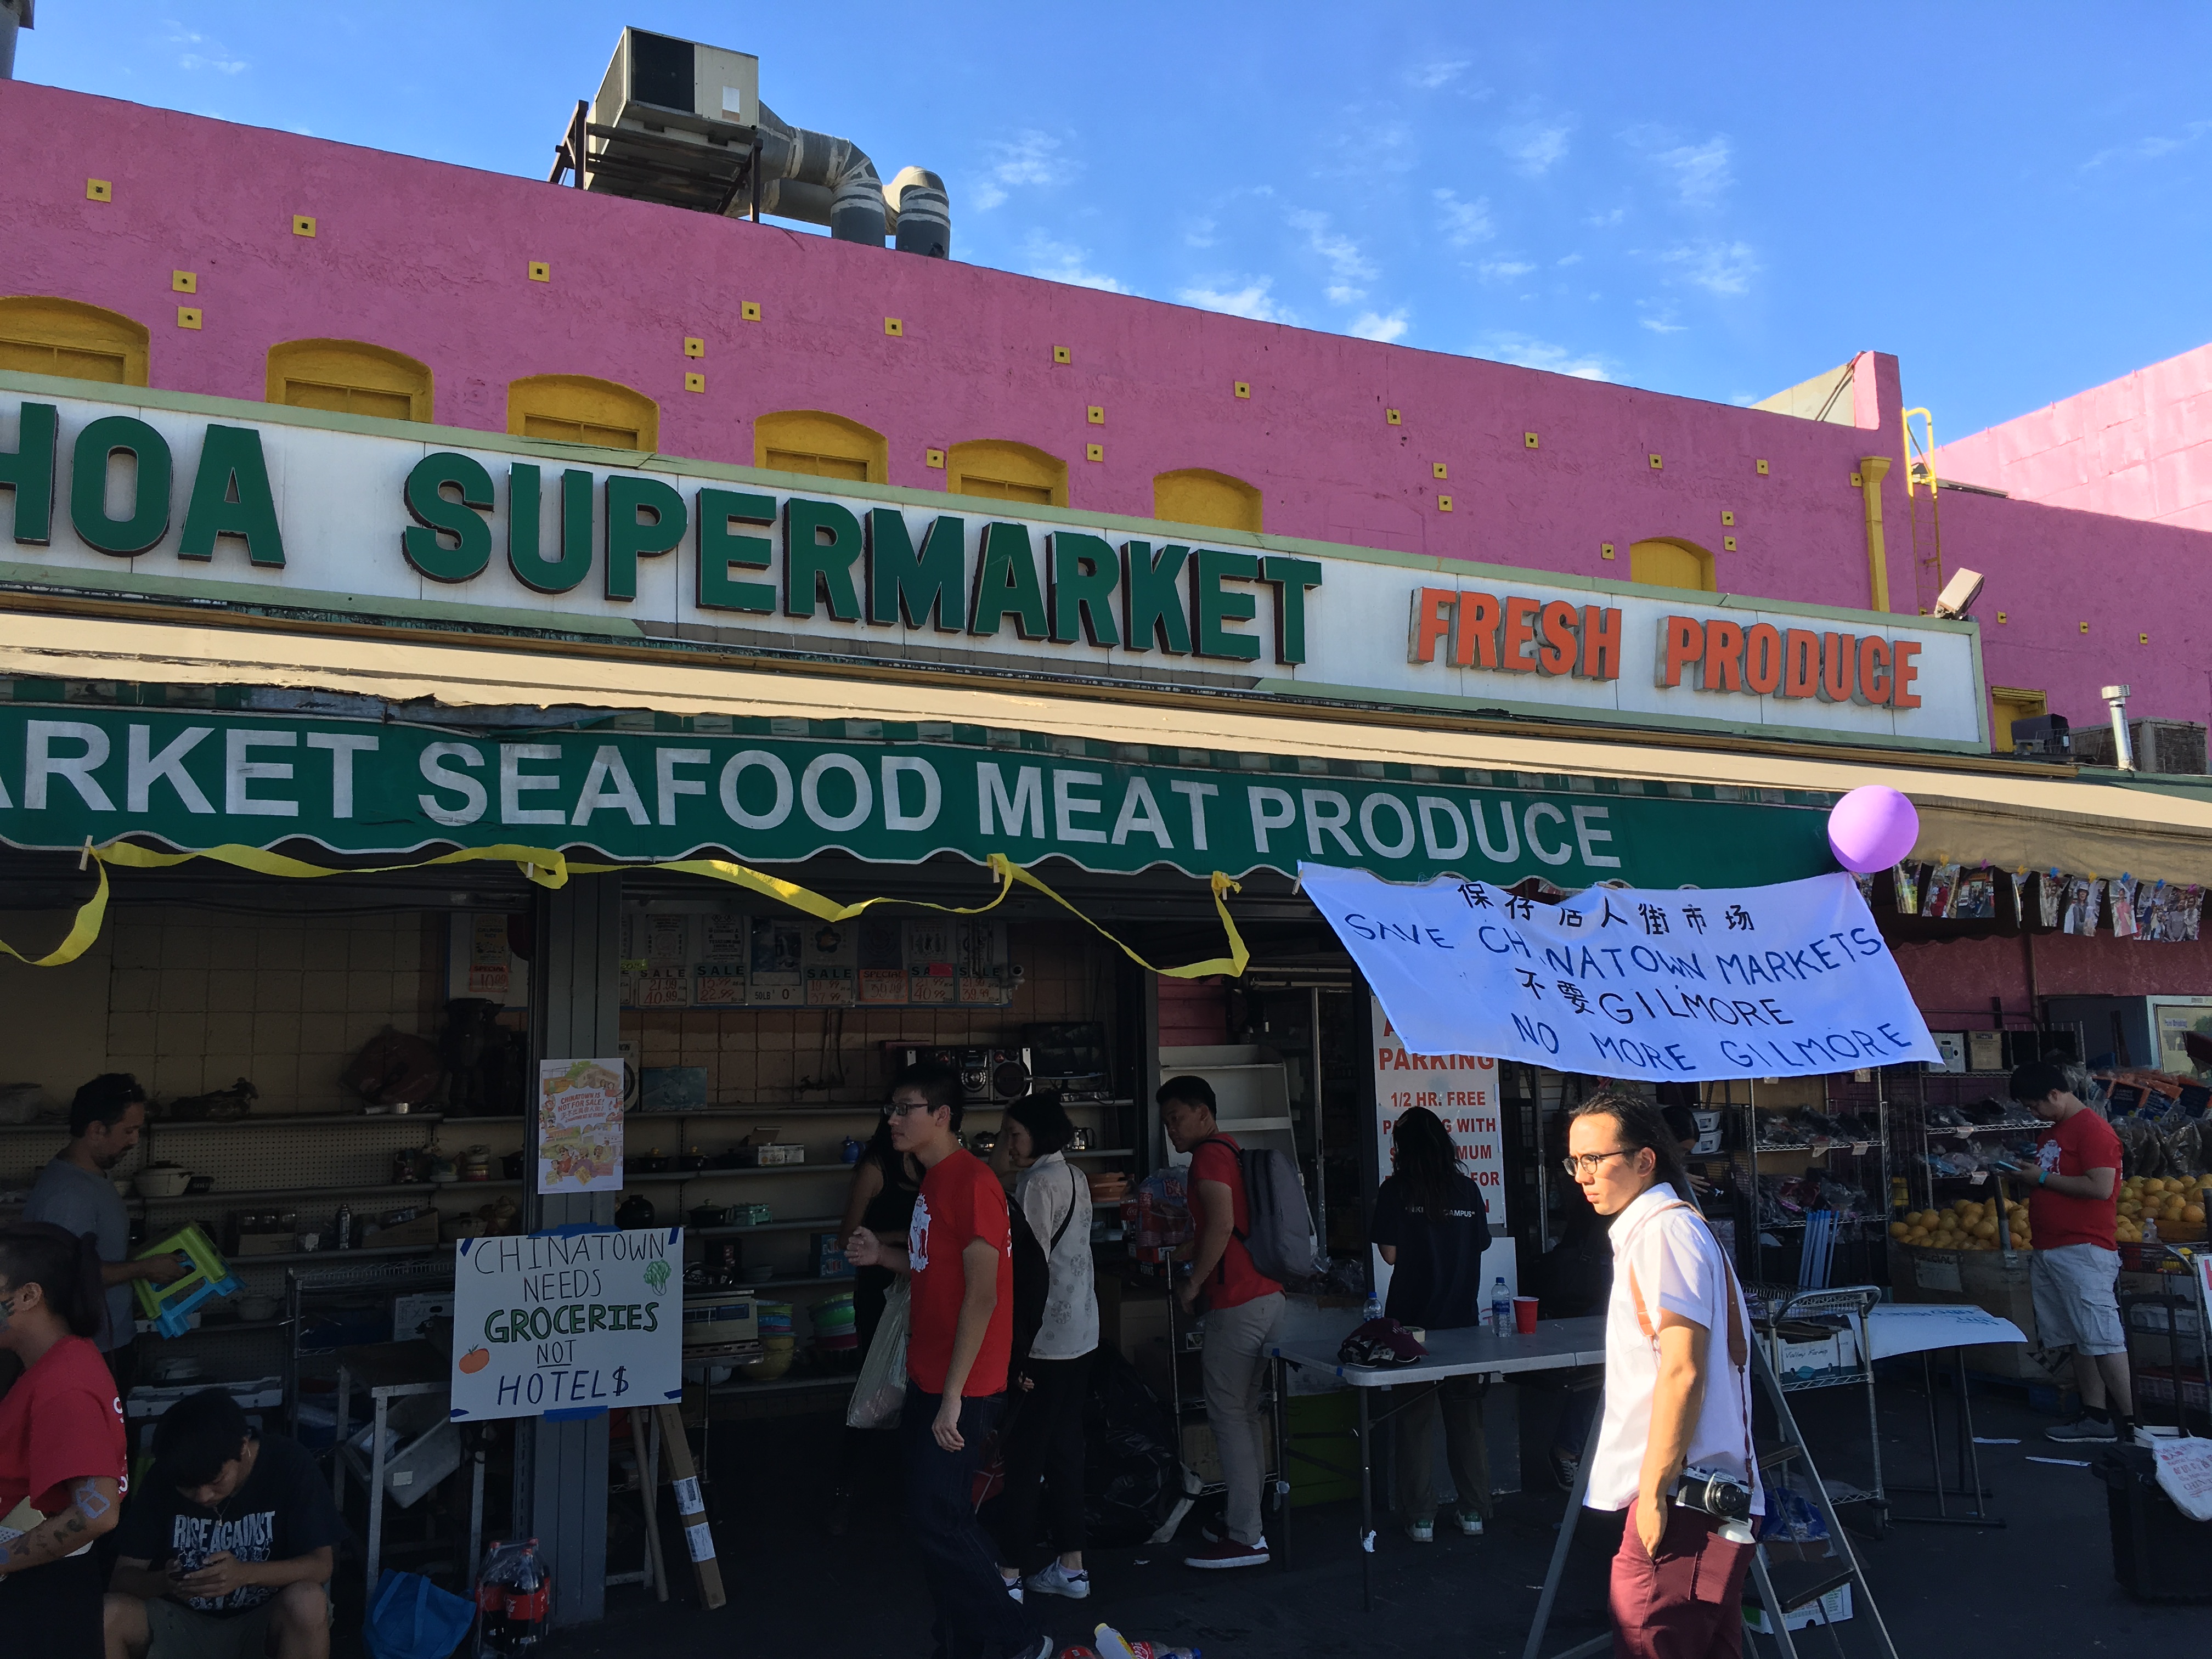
(899, 1109)
(1587, 1163)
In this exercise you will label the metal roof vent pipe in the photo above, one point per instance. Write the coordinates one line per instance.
(813, 177)
(922, 212)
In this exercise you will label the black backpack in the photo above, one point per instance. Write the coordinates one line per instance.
(1032, 1272)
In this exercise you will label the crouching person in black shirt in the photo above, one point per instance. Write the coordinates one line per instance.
(226, 1550)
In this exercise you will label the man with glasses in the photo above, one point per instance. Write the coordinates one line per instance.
(959, 1261)
(1677, 1388)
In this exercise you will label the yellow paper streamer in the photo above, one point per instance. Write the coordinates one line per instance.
(552, 870)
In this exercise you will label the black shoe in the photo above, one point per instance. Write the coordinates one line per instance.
(2085, 1429)
(1565, 1467)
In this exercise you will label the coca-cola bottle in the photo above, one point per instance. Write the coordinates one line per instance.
(529, 1601)
(493, 1583)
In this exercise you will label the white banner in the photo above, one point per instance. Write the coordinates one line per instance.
(561, 1324)
(1788, 980)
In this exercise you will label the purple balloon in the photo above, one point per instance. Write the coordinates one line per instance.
(1872, 827)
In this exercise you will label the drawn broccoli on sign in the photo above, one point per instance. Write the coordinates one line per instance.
(656, 1274)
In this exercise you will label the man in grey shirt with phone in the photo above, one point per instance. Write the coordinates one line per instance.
(76, 1192)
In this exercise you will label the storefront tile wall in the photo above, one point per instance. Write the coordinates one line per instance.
(198, 1000)
(826, 1055)
(974, 360)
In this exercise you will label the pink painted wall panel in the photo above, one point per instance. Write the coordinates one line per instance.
(1955, 979)
(430, 260)
(2104, 450)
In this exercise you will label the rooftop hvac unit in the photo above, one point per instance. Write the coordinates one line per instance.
(683, 125)
(2168, 746)
(673, 123)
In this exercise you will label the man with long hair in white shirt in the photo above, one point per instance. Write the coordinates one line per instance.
(1677, 1389)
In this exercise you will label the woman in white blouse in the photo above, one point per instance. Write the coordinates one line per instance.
(1043, 1440)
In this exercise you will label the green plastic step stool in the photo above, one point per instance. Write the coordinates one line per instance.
(207, 1276)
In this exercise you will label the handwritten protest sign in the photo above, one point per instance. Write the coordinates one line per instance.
(553, 1323)
(1787, 980)
(579, 1125)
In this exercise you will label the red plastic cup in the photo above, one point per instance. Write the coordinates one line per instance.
(1524, 1315)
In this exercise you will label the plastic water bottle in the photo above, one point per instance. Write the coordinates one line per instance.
(1374, 1308)
(1501, 1307)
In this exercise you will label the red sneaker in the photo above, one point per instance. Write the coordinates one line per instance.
(1228, 1552)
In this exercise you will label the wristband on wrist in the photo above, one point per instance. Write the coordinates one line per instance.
(2042, 1176)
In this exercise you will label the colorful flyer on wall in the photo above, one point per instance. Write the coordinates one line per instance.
(718, 978)
(882, 962)
(827, 958)
(929, 976)
(579, 1125)
(775, 980)
(490, 965)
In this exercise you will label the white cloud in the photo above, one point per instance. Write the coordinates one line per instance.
(1503, 270)
(1430, 77)
(1255, 299)
(1743, 399)
(1570, 260)
(1701, 171)
(1723, 268)
(1465, 222)
(1663, 324)
(1537, 146)
(1063, 262)
(1541, 353)
(1602, 221)
(1199, 233)
(2148, 149)
(1346, 263)
(1372, 325)
(1030, 157)
(202, 54)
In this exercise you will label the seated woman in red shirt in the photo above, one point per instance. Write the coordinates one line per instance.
(62, 1447)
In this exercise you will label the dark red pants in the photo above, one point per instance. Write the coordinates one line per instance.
(1687, 1602)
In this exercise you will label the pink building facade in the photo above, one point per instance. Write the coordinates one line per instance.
(1342, 438)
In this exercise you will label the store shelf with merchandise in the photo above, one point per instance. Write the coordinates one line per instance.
(1801, 1148)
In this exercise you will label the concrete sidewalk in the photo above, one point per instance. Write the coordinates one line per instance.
(2043, 1584)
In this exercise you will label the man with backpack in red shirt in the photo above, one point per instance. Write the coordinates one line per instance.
(957, 1259)
(1242, 1308)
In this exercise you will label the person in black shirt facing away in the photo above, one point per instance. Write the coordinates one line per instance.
(1432, 1227)
(228, 1543)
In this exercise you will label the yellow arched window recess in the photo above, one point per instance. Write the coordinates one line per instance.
(42, 335)
(1007, 471)
(579, 410)
(349, 377)
(1195, 496)
(820, 446)
(2008, 704)
(1665, 562)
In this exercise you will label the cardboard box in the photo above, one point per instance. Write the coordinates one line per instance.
(402, 1234)
(2152, 1316)
(264, 1244)
(1830, 1609)
(1805, 1353)
(1985, 1051)
(1996, 1281)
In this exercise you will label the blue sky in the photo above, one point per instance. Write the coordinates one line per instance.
(1716, 201)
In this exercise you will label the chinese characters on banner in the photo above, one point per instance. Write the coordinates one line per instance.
(1787, 980)
(579, 1125)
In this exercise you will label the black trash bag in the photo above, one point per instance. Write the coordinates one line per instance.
(1128, 1461)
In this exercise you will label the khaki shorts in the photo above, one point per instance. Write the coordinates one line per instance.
(2076, 1300)
(182, 1632)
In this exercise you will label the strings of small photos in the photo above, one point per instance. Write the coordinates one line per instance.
(2130, 906)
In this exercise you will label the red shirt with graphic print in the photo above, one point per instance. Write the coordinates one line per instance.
(2082, 1143)
(961, 1200)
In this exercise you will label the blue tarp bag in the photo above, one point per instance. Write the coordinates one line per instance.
(410, 1618)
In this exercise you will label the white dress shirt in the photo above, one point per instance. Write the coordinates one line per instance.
(1678, 1267)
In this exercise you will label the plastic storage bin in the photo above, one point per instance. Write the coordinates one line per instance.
(2159, 1554)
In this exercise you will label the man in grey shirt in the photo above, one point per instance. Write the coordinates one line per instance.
(76, 1192)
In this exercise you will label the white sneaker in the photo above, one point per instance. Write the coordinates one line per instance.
(1013, 1588)
(1056, 1580)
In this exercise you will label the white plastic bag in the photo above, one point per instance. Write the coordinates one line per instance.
(2185, 1474)
(880, 1395)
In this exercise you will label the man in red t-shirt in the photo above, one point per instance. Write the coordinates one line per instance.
(959, 1265)
(2076, 1265)
(1243, 1307)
